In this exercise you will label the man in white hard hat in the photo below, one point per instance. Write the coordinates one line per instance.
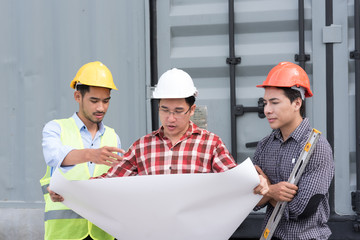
(178, 146)
(83, 143)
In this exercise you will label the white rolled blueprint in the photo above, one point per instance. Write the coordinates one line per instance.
(160, 207)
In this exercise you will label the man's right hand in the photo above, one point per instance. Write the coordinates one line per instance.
(104, 155)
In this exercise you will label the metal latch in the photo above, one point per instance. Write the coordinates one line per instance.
(355, 54)
(241, 110)
(233, 60)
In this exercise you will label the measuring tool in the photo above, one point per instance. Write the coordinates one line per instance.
(294, 179)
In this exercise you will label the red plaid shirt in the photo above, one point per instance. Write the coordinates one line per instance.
(198, 151)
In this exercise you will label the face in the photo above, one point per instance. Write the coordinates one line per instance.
(175, 116)
(93, 105)
(280, 112)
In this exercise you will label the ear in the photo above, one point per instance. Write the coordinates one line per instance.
(192, 110)
(77, 96)
(297, 104)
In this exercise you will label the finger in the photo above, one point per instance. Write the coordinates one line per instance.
(264, 191)
(56, 197)
(261, 190)
(258, 169)
(115, 156)
(115, 149)
(288, 196)
(291, 186)
(112, 161)
(107, 163)
(257, 189)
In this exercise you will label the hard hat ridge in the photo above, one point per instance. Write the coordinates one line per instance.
(175, 83)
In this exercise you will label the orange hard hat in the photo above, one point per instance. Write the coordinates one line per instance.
(287, 74)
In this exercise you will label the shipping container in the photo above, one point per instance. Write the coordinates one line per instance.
(227, 46)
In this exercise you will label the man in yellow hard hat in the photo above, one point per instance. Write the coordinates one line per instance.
(83, 144)
(307, 211)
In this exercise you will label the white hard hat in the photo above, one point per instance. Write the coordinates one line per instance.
(175, 83)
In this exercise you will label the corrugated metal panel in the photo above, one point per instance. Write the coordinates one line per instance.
(344, 108)
(42, 46)
(193, 35)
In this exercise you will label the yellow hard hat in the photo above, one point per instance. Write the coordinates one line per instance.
(94, 74)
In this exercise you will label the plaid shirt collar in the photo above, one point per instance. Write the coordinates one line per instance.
(193, 129)
(297, 134)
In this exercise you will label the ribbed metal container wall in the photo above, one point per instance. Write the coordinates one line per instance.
(42, 45)
(193, 35)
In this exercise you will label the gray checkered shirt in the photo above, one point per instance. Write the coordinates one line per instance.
(277, 159)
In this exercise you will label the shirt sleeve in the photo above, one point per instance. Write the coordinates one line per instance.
(222, 160)
(53, 150)
(118, 141)
(316, 179)
(255, 161)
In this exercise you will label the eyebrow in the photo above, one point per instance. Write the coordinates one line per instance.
(177, 108)
(272, 99)
(95, 98)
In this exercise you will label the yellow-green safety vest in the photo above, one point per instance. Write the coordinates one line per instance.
(60, 221)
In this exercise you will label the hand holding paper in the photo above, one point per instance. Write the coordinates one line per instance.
(180, 206)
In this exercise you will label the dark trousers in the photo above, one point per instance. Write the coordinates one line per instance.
(90, 238)
(275, 238)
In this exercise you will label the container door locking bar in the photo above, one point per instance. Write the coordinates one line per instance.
(241, 110)
(294, 179)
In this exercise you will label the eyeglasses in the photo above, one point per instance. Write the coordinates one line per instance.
(177, 114)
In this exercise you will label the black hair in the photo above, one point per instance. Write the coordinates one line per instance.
(83, 89)
(292, 95)
(190, 100)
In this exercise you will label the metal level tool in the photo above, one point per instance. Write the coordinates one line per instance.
(294, 179)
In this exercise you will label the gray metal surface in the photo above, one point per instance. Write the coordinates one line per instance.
(42, 45)
(193, 35)
(344, 108)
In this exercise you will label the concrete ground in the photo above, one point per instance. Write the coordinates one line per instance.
(20, 224)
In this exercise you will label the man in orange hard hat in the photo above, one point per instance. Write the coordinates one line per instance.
(307, 211)
(84, 144)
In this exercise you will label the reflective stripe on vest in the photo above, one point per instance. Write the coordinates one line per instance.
(60, 221)
(61, 214)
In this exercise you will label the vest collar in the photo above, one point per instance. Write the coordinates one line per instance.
(81, 125)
